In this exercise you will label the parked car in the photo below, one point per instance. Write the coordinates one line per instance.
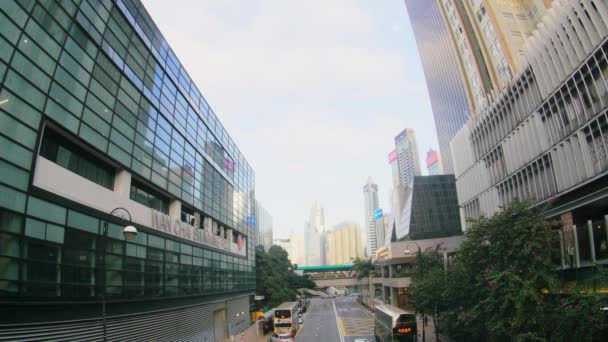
(281, 338)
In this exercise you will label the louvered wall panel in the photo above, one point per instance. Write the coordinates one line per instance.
(194, 323)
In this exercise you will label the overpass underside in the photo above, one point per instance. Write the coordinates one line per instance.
(342, 282)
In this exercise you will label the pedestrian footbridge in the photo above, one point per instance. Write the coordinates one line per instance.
(334, 275)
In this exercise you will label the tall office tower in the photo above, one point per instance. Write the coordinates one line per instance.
(490, 38)
(433, 163)
(101, 128)
(407, 156)
(313, 236)
(264, 224)
(344, 243)
(392, 160)
(380, 226)
(370, 198)
(297, 253)
(445, 83)
(544, 138)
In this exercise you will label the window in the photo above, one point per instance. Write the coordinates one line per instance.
(42, 269)
(187, 215)
(79, 264)
(66, 154)
(148, 197)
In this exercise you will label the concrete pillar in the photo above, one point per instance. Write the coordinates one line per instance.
(591, 239)
(577, 257)
(122, 183)
(394, 295)
(561, 248)
(386, 294)
(175, 210)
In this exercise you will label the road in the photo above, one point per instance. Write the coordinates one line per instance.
(341, 319)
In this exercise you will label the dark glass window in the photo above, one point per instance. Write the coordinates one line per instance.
(148, 197)
(154, 272)
(42, 269)
(63, 152)
(134, 276)
(79, 264)
(187, 215)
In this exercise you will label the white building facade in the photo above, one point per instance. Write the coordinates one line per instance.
(544, 138)
(370, 198)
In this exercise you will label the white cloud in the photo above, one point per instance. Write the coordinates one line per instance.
(309, 90)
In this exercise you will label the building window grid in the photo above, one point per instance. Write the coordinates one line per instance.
(57, 285)
(586, 87)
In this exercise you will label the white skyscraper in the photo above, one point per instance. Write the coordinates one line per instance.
(313, 236)
(407, 156)
(370, 197)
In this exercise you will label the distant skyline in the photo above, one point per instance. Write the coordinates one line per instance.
(313, 98)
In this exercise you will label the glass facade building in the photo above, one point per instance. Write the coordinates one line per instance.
(443, 78)
(264, 227)
(427, 208)
(96, 112)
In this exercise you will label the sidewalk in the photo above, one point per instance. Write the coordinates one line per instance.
(429, 331)
(250, 335)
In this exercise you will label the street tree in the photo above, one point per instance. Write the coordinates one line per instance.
(363, 267)
(275, 276)
(429, 284)
(504, 287)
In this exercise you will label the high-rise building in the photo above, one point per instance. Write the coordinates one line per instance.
(101, 128)
(446, 85)
(543, 138)
(370, 199)
(407, 156)
(344, 243)
(425, 209)
(313, 236)
(433, 163)
(380, 225)
(297, 253)
(264, 225)
(490, 38)
(392, 160)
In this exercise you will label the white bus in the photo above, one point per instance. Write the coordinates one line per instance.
(394, 324)
(286, 318)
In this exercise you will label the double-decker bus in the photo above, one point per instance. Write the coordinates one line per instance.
(394, 324)
(286, 318)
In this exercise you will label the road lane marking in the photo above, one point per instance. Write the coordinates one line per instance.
(300, 330)
(342, 327)
(337, 321)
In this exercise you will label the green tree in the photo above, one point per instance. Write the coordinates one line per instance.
(363, 267)
(503, 286)
(429, 284)
(275, 276)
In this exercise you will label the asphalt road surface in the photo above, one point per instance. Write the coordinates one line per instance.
(341, 319)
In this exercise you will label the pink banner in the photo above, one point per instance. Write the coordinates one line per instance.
(392, 156)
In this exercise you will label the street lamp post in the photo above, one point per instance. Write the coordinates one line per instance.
(129, 232)
(407, 251)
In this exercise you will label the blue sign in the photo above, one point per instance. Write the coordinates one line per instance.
(378, 213)
(251, 220)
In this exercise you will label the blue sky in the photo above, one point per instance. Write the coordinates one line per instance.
(313, 93)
